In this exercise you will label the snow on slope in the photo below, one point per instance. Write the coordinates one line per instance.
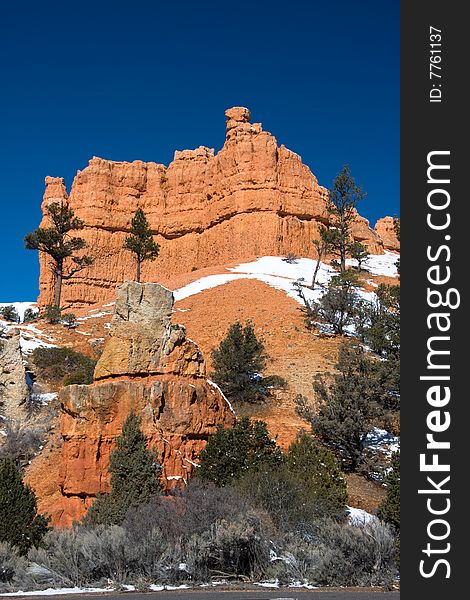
(20, 307)
(278, 273)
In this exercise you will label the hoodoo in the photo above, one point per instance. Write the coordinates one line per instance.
(253, 198)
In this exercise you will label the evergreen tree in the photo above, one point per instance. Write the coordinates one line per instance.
(57, 242)
(232, 452)
(389, 509)
(20, 524)
(141, 241)
(238, 364)
(339, 306)
(319, 469)
(348, 407)
(134, 477)
(396, 227)
(343, 198)
(9, 313)
(381, 329)
(360, 253)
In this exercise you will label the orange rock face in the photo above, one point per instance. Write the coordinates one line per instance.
(386, 230)
(252, 198)
(147, 366)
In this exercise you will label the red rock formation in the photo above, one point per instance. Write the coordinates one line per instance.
(386, 230)
(147, 366)
(252, 198)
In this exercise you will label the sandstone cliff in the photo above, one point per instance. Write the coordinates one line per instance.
(147, 365)
(386, 230)
(252, 198)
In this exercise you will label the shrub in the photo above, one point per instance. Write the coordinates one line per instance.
(77, 557)
(12, 566)
(236, 547)
(69, 319)
(282, 494)
(52, 315)
(231, 452)
(9, 313)
(20, 443)
(291, 258)
(239, 362)
(20, 524)
(64, 365)
(30, 315)
(362, 556)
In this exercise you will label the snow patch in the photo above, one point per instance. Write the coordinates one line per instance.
(214, 385)
(358, 517)
(58, 591)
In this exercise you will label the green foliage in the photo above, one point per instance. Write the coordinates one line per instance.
(60, 245)
(20, 443)
(348, 407)
(381, 328)
(306, 486)
(320, 471)
(20, 525)
(134, 476)
(238, 364)
(355, 556)
(231, 452)
(360, 253)
(52, 315)
(30, 315)
(69, 319)
(396, 227)
(141, 242)
(9, 313)
(339, 306)
(343, 199)
(389, 510)
(64, 365)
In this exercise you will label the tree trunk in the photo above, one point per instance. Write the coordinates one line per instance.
(57, 287)
(137, 277)
(342, 264)
(315, 273)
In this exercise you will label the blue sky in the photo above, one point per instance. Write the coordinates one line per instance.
(139, 80)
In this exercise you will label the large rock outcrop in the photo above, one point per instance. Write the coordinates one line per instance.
(13, 388)
(252, 198)
(147, 366)
(385, 228)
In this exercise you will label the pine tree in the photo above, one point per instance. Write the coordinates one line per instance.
(238, 364)
(57, 242)
(320, 471)
(348, 406)
(141, 241)
(134, 476)
(230, 453)
(381, 329)
(339, 306)
(360, 253)
(20, 524)
(389, 509)
(343, 198)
